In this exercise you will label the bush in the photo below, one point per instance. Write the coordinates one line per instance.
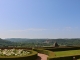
(32, 56)
(62, 48)
(42, 51)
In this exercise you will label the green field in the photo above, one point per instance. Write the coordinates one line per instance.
(67, 53)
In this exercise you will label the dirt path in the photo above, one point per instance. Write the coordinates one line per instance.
(42, 57)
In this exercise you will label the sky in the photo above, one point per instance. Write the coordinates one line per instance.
(40, 19)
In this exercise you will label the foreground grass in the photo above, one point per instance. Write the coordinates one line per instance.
(67, 53)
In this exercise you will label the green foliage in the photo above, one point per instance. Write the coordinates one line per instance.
(32, 56)
(51, 55)
(62, 48)
(20, 42)
(65, 58)
(41, 51)
(5, 43)
(64, 55)
(60, 55)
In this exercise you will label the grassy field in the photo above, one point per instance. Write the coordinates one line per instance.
(67, 53)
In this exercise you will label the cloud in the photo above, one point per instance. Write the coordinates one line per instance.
(56, 29)
(68, 28)
(30, 29)
(63, 29)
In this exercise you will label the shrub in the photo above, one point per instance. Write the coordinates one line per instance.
(62, 48)
(31, 56)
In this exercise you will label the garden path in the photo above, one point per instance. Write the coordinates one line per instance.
(42, 56)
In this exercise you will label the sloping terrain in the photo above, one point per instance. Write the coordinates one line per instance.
(5, 42)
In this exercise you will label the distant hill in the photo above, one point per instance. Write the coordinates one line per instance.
(75, 41)
(5, 42)
(25, 40)
(16, 39)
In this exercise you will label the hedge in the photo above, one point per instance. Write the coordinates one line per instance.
(51, 55)
(64, 58)
(32, 56)
(62, 48)
(16, 48)
(41, 51)
(47, 52)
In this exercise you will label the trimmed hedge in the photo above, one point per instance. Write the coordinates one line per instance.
(32, 56)
(16, 48)
(64, 58)
(47, 52)
(41, 51)
(62, 48)
(51, 55)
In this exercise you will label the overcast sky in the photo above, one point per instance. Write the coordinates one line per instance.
(39, 18)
